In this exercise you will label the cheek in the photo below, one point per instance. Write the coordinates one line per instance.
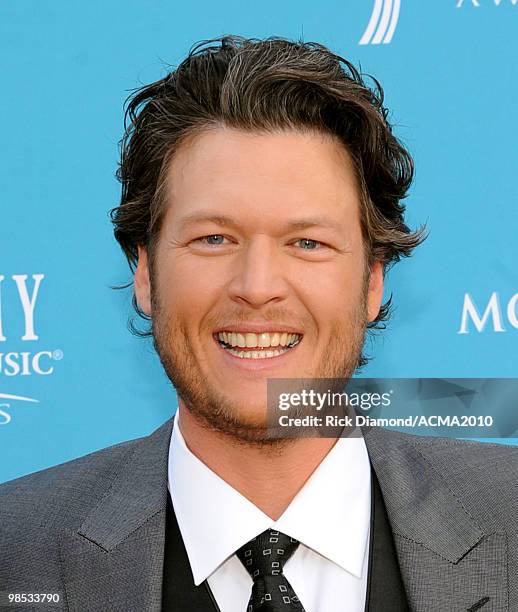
(329, 291)
(187, 291)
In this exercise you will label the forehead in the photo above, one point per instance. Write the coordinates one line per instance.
(284, 173)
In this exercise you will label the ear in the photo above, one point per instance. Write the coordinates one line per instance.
(375, 291)
(141, 284)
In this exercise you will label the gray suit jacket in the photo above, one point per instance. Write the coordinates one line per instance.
(92, 529)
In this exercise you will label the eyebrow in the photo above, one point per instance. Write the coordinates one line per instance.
(225, 220)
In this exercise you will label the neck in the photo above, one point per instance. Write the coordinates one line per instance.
(269, 477)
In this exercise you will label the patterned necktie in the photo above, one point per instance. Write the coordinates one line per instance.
(264, 558)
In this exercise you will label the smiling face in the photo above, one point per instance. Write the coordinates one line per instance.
(259, 271)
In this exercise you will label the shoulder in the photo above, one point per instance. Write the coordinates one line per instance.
(39, 510)
(61, 495)
(483, 476)
(452, 454)
(487, 459)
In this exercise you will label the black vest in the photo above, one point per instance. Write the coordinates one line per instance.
(385, 590)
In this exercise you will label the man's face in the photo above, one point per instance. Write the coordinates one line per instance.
(260, 246)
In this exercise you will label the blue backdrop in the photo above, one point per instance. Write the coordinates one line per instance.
(72, 379)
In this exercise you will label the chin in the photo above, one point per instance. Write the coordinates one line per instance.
(250, 417)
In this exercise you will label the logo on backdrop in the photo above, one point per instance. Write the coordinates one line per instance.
(36, 360)
(5, 417)
(478, 3)
(495, 314)
(383, 23)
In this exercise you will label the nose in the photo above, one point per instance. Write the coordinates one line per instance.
(259, 278)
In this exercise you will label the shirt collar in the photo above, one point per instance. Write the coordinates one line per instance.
(330, 514)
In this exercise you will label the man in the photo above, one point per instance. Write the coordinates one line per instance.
(261, 207)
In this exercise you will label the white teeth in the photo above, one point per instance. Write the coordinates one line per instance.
(262, 340)
(257, 354)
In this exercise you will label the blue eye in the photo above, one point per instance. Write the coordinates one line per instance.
(309, 243)
(209, 239)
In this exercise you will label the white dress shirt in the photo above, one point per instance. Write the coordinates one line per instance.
(330, 516)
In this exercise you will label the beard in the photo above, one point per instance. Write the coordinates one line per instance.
(218, 412)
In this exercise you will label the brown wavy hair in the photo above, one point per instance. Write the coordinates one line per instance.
(264, 85)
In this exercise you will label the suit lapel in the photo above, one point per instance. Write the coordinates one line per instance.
(114, 560)
(447, 561)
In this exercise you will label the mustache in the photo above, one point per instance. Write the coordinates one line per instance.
(280, 316)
